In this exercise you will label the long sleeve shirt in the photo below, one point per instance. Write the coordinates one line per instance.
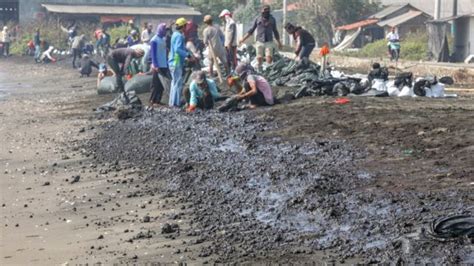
(196, 92)
(146, 36)
(213, 36)
(266, 28)
(158, 52)
(123, 56)
(178, 52)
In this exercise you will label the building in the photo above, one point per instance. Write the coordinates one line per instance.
(428, 6)
(100, 10)
(406, 18)
(463, 32)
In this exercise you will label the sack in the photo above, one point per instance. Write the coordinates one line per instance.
(406, 92)
(379, 85)
(107, 85)
(139, 84)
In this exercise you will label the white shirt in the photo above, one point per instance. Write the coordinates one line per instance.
(393, 36)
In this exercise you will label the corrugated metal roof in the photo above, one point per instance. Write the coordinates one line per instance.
(389, 10)
(400, 19)
(122, 10)
(358, 24)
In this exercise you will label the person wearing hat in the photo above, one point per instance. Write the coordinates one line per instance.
(6, 39)
(266, 28)
(119, 60)
(213, 39)
(176, 58)
(305, 42)
(202, 93)
(85, 66)
(230, 34)
(104, 72)
(133, 38)
(159, 65)
(251, 87)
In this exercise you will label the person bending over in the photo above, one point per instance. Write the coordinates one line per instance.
(202, 93)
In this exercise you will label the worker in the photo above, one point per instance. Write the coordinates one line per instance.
(133, 38)
(119, 60)
(37, 43)
(77, 45)
(305, 42)
(213, 39)
(85, 66)
(176, 58)
(159, 66)
(147, 33)
(251, 87)
(131, 27)
(266, 28)
(202, 93)
(104, 72)
(324, 53)
(230, 34)
(6, 39)
(46, 57)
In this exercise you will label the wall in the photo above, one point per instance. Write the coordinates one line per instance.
(464, 6)
(31, 9)
(416, 25)
(461, 38)
(471, 37)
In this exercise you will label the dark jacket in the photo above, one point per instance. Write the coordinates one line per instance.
(123, 56)
(86, 65)
(266, 28)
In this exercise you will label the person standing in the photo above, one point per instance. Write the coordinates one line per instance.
(266, 28)
(230, 34)
(6, 40)
(119, 60)
(131, 27)
(161, 76)
(176, 59)
(392, 37)
(305, 42)
(147, 33)
(212, 37)
(77, 45)
(37, 43)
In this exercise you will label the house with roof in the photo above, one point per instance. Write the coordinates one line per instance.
(105, 11)
(405, 17)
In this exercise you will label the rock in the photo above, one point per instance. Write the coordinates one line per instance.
(75, 179)
(169, 228)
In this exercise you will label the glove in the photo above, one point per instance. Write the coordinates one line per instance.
(191, 109)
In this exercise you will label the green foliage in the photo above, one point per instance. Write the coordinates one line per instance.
(117, 32)
(213, 7)
(248, 12)
(323, 16)
(413, 47)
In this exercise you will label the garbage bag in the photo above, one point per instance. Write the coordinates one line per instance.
(406, 92)
(379, 85)
(447, 80)
(231, 104)
(107, 85)
(139, 83)
(403, 79)
(125, 99)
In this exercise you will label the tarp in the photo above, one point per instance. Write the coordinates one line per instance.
(358, 24)
(351, 36)
(438, 41)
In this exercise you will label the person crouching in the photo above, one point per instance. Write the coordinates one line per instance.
(251, 87)
(202, 93)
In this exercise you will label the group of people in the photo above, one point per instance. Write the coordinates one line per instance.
(172, 55)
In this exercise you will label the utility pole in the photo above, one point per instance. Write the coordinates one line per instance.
(455, 8)
(437, 12)
(284, 22)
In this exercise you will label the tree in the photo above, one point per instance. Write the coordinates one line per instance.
(213, 7)
(321, 17)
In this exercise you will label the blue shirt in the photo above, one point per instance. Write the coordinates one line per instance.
(196, 92)
(178, 52)
(158, 52)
